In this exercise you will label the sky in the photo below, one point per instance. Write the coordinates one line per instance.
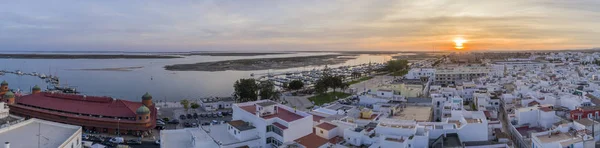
(282, 25)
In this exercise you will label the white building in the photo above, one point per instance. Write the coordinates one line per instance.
(212, 104)
(379, 96)
(25, 134)
(273, 123)
(186, 138)
(3, 110)
(448, 74)
(417, 73)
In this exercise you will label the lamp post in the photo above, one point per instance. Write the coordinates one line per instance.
(118, 130)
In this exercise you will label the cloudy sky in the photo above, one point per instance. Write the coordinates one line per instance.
(257, 25)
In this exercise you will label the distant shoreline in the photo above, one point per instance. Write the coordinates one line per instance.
(84, 56)
(110, 69)
(235, 53)
(263, 63)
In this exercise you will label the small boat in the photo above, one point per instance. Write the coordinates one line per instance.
(43, 76)
(252, 74)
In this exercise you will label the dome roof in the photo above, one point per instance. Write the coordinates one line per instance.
(36, 87)
(4, 83)
(142, 110)
(147, 96)
(9, 94)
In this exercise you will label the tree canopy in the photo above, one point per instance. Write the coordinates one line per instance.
(245, 90)
(195, 105)
(267, 91)
(329, 81)
(295, 85)
(396, 65)
(185, 103)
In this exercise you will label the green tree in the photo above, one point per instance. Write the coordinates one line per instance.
(296, 85)
(185, 103)
(320, 87)
(195, 105)
(356, 75)
(245, 90)
(266, 90)
(396, 65)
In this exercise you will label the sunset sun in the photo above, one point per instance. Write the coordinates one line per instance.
(458, 43)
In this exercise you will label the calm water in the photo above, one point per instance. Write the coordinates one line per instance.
(152, 78)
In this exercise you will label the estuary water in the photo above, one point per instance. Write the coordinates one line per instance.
(151, 77)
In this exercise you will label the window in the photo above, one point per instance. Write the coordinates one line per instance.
(271, 140)
(235, 132)
(146, 117)
(590, 116)
(321, 131)
(274, 129)
(140, 118)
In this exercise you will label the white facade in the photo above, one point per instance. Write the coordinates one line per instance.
(417, 73)
(212, 104)
(379, 96)
(266, 116)
(23, 134)
(3, 110)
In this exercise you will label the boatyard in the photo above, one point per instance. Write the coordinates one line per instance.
(53, 81)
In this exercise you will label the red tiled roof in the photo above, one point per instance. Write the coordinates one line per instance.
(532, 103)
(102, 106)
(312, 141)
(545, 109)
(336, 139)
(280, 126)
(487, 114)
(282, 114)
(326, 126)
(317, 118)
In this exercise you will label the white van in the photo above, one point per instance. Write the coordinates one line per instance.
(117, 140)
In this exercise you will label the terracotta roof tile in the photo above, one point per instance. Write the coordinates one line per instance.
(102, 106)
(312, 141)
(281, 126)
(282, 114)
(326, 126)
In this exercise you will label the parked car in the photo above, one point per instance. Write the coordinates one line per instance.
(194, 124)
(159, 127)
(161, 120)
(157, 142)
(134, 142)
(219, 114)
(214, 115)
(117, 140)
(174, 121)
(195, 115)
(187, 124)
(85, 137)
(215, 122)
(205, 123)
(203, 115)
(189, 116)
(182, 117)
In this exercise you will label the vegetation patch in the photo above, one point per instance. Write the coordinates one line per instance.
(328, 97)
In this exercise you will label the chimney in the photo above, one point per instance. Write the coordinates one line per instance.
(6, 144)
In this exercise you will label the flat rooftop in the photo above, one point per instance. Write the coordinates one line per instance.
(52, 134)
(241, 125)
(416, 113)
(282, 113)
(266, 103)
(183, 138)
(220, 134)
(555, 137)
